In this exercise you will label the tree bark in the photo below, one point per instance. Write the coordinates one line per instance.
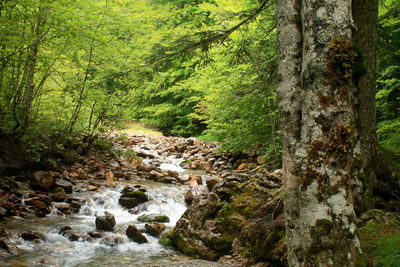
(321, 144)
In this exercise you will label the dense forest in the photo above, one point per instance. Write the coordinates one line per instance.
(187, 68)
(264, 79)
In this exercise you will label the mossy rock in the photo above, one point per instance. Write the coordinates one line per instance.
(167, 239)
(153, 218)
(139, 195)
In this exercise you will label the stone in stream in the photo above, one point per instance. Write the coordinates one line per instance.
(42, 180)
(106, 222)
(132, 199)
(58, 197)
(153, 218)
(135, 235)
(31, 235)
(65, 208)
(64, 184)
(154, 228)
(95, 234)
(6, 244)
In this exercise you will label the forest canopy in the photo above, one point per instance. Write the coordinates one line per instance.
(187, 68)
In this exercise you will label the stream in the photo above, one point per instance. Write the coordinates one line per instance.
(115, 249)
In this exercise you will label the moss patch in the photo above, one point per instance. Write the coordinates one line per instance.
(380, 243)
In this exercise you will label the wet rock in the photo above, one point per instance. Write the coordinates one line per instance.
(58, 197)
(6, 244)
(64, 184)
(189, 197)
(42, 180)
(75, 205)
(106, 222)
(91, 188)
(132, 199)
(31, 235)
(95, 234)
(153, 218)
(135, 235)
(64, 230)
(113, 240)
(41, 206)
(74, 237)
(154, 228)
(63, 207)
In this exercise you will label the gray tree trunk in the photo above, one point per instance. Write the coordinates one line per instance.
(317, 101)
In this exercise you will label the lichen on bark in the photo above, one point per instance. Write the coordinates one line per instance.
(319, 133)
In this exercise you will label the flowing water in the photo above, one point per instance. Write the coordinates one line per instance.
(114, 250)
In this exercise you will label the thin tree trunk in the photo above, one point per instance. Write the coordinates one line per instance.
(31, 69)
(317, 97)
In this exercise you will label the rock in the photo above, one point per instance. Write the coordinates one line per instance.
(132, 199)
(212, 182)
(261, 160)
(64, 184)
(75, 205)
(135, 235)
(63, 207)
(58, 197)
(236, 209)
(91, 188)
(139, 195)
(109, 176)
(195, 178)
(154, 228)
(64, 230)
(31, 235)
(42, 180)
(41, 206)
(113, 240)
(242, 166)
(95, 234)
(189, 197)
(74, 237)
(3, 213)
(153, 218)
(6, 244)
(128, 202)
(127, 189)
(106, 222)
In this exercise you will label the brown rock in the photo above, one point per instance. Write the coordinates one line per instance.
(154, 228)
(31, 235)
(242, 166)
(64, 184)
(6, 244)
(91, 188)
(106, 222)
(42, 180)
(109, 176)
(58, 197)
(135, 235)
(64, 208)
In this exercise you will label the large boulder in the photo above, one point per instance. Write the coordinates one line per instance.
(241, 215)
(153, 218)
(135, 235)
(106, 222)
(132, 199)
(42, 180)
